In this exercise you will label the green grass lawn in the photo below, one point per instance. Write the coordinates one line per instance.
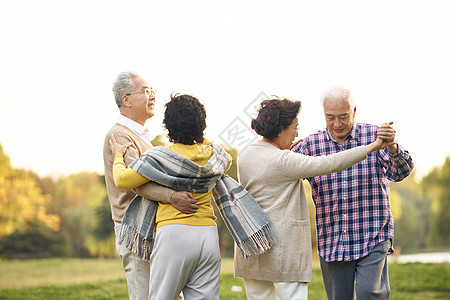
(104, 279)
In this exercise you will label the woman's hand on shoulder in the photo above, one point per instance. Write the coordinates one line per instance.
(116, 148)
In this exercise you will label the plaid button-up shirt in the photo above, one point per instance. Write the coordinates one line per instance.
(353, 211)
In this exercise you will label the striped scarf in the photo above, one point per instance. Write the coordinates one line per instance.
(249, 226)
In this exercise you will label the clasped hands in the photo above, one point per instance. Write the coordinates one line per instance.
(386, 133)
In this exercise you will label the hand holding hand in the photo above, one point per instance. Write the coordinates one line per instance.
(381, 144)
(386, 138)
(184, 202)
(116, 148)
(387, 133)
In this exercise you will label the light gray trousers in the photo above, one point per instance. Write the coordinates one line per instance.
(185, 258)
(365, 278)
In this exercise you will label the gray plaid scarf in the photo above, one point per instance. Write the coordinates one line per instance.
(249, 226)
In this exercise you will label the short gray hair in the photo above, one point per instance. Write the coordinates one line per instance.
(123, 84)
(338, 93)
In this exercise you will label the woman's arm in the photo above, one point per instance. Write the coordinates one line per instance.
(298, 165)
(124, 178)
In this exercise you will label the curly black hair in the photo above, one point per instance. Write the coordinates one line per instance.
(185, 119)
(274, 116)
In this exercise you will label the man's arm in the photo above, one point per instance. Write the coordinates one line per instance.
(397, 162)
(182, 201)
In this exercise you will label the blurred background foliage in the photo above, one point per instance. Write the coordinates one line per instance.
(70, 216)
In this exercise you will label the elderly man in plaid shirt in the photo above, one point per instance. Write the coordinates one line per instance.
(355, 228)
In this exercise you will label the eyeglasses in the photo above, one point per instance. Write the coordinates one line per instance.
(147, 92)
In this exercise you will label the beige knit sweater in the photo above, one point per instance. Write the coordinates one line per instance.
(120, 199)
(273, 177)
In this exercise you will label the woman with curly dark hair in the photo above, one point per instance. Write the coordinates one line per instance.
(185, 120)
(272, 174)
(185, 255)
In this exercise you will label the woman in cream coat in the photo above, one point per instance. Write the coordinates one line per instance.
(272, 174)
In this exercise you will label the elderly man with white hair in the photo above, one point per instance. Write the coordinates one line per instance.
(135, 99)
(355, 227)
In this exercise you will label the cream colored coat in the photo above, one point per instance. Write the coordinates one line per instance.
(273, 177)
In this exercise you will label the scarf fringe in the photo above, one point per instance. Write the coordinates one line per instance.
(135, 242)
(259, 242)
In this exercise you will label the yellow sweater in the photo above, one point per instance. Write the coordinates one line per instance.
(127, 178)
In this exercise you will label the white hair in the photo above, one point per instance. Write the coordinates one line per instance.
(123, 84)
(338, 93)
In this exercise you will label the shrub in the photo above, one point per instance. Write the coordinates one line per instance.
(34, 241)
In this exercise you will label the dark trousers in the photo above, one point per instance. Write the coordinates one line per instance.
(365, 278)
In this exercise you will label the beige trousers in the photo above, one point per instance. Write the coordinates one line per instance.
(137, 271)
(269, 290)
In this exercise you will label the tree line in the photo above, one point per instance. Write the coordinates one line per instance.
(70, 216)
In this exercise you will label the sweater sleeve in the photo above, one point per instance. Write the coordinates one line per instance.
(297, 166)
(126, 178)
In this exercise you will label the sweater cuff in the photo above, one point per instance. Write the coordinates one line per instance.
(118, 159)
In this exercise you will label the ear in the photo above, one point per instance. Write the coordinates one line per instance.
(126, 101)
(354, 111)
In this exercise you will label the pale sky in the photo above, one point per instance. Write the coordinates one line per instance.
(59, 58)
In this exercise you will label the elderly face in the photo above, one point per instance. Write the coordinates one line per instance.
(339, 117)
(141, 100)
(287, 135)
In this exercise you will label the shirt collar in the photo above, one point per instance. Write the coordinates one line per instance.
(351, 135)
(135, 127)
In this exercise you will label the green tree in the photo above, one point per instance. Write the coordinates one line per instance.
(21, 200)
(103, 231)
(76, 199)
(412, 224)
(436, 186)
